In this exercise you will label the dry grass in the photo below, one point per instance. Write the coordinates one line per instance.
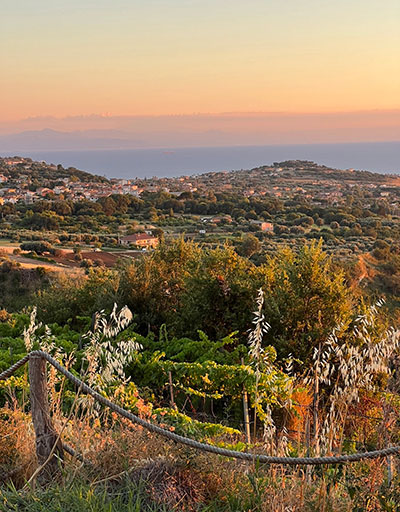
(17, 445)
(120, 456)
(174, 478)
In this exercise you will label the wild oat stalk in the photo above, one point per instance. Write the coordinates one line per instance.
(47, 343)
(349, 365)
(107, 357)
(259, 362)
(29, 332)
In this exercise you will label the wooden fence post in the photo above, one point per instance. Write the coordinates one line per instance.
(46, 435)
(246, 419)
(171, 392)
(316, 405)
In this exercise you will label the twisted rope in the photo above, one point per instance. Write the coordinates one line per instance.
(8, 373)
(68, 449)
(265, 459)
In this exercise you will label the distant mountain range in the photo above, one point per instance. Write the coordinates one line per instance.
(47, 139)
(235, 129)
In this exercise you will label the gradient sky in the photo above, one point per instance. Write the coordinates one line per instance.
(147, 57)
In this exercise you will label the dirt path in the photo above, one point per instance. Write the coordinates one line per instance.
(363, 266)
(31, 263)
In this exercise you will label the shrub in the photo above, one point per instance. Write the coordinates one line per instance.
(39, 247)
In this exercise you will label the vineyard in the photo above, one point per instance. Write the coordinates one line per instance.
(267, 415)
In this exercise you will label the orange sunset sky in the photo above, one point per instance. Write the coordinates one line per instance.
(64, 58)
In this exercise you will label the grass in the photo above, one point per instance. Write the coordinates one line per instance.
(79, 497)
(157, 487)
(128, 468)
(38, 258)
(133, 470)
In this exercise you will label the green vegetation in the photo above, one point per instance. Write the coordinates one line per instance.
(41, 173)
(212, 290)
(349, 210)
(283, 325)
(167, 488)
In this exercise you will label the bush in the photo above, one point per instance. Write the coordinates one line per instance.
(86, 263)
(39, 247)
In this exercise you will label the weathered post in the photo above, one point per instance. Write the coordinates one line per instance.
(316, 403)
(49, 451)
(246, 419)
(171, 392)
(389, 462)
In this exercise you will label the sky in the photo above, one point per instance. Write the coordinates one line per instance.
(66, 58)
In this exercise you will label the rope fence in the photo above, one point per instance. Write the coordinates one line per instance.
(37, 379)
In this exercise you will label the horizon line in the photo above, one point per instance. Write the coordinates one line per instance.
(103, 115)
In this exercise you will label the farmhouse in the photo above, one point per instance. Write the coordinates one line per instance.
(267, 227)
(140, 239)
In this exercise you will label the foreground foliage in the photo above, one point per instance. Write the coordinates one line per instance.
(314, 369)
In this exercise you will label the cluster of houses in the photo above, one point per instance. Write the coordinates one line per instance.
(76, 191)
(274, 181)
(143, 240)
(19, 189)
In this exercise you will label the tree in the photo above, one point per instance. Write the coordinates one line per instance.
(46, 220)
(306, 296)
(62, 208)
(71, 297)
(218, 294)
(39, 247)
(249, 245)
(153, 215)
(109, 205)
(152, 286)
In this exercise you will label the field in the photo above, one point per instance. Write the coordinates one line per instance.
(65, 261)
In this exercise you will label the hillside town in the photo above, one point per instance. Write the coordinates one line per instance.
(23, 180)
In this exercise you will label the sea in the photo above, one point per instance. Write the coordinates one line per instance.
(381, 157)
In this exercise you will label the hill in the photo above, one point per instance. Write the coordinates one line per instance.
(26, 170)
